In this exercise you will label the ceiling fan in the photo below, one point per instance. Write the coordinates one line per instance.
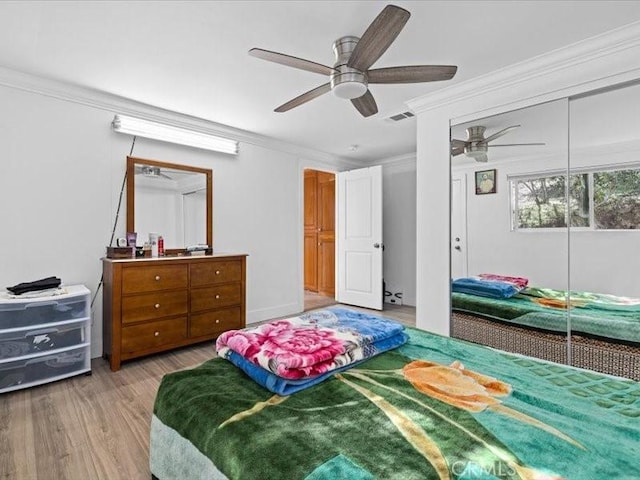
(150, 171)
(350, 76)
(476, 146)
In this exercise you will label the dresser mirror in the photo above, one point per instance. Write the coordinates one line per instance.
(171, 200)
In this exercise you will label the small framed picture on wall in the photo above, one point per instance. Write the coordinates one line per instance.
(485, 182)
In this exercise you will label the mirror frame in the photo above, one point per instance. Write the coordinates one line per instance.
(131, 165)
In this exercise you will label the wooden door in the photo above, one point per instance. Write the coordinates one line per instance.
(311, 230)
(319, 232)
(311, 261)
(326, 233)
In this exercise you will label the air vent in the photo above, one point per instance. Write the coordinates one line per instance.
(400, 116)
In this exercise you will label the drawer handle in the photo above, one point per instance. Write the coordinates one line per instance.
(217, 296)
(217, 272)
(217, 320)
(156, 334)
(157, 305)
(157, 277)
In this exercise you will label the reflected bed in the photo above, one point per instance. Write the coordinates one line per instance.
(605, 329)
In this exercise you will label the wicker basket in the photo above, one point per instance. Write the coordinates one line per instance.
(602, 355)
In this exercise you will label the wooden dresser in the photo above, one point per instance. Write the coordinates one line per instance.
(152, 305)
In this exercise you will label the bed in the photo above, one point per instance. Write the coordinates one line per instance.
(605, 329)
(434, 408)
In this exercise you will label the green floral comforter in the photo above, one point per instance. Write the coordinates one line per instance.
(435, 408)
(606, 316)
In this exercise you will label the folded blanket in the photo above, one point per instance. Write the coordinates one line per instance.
(484, 288)
(519, 282)
(288, 355)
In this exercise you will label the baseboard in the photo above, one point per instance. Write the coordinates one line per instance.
(259, 315)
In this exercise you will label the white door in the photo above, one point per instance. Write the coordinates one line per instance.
(359, 255)
(459, 226)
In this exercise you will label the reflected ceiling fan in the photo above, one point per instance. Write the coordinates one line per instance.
(350, 75)
(476, 146)
(150, 171)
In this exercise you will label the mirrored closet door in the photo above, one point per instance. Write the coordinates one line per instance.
(604, 247)
(509, 235)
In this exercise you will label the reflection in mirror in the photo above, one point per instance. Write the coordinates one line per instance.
(170, 200)
(605, 230)
(509, 219)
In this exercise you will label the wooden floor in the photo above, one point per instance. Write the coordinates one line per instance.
(315, 300)
(97, 426)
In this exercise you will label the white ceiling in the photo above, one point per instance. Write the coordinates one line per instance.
(191, 57)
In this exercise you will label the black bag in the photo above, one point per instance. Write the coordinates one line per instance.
(42, 284)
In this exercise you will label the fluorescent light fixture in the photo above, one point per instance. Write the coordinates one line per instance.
(167, 133)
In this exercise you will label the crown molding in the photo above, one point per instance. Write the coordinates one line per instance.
(555, 61)
(116, 104)
(405, 161)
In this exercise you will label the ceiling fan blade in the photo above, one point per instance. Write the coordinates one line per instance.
(455, 143)
(481, 158)
(290, 61)
(500, 133)
(412, 74)
(516, 145)
(378, 36)
(304, 98)
(457, 151)
(365, 104)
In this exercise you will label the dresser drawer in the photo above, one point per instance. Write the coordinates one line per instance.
(153, 278)
(153, 334)
(206, 298)
(208, 273)
(147, 306)
(216, 321)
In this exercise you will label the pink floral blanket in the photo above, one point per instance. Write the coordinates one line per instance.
(301, 351)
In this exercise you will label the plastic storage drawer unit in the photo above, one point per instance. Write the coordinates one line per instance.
(27, 312)
(44, 338)
(26, 372)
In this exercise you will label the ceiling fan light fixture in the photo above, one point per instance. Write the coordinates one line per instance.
(349, 89)
(347, 82)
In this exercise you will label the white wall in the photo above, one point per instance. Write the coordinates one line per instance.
(606, 60)
(158, 209)
(399, 227)
(61, 171)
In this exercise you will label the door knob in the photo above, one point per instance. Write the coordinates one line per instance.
(457, 247)
(376, 245)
